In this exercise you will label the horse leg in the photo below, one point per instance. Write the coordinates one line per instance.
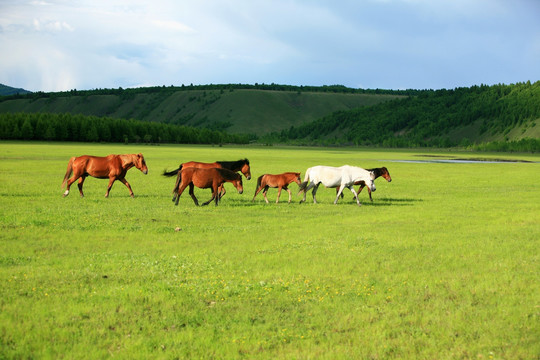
(69, 182)
(221, 190)
(80, 185)
(111, 181)
(179, 192)
(215, 196)
(124, 181)
(369, 192)
(340, 192)
(191, 187)
(360, 188)
(314, 192)
(278, 194)
(215, 193)
(355, 195)
(289, 191)
(257, 192)
(305, 191)
(265, 192)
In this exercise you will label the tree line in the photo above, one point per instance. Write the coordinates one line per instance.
(131, 92)
(71, 127)
(425, 119)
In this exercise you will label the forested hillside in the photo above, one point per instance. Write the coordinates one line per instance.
(440, 118)
(499, 117)
(69, 127)
(252, 109)
(8, 90)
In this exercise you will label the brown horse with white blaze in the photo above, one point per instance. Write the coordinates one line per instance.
(205, 178)
(382, 171)
(112, 167)
(280, 181)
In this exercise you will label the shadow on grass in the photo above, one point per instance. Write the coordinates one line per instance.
(365, 202)
(390, 202)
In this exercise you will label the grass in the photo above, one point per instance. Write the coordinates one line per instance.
(443, 264)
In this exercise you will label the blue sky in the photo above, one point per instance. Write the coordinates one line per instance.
(56, 45)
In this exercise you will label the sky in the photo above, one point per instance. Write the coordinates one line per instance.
(60, 45)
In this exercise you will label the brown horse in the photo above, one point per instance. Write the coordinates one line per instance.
(204, 179)
(239, 165)
(383, 171)
(112, 167)
(280, 181)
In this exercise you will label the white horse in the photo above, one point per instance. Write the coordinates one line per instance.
(333, 177)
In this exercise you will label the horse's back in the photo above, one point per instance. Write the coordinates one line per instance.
(329, 176)
(271, 180)
(98, 166)
(199, 165)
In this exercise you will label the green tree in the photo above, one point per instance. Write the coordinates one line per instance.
(50, 133)
(27, 131)
(92, 133)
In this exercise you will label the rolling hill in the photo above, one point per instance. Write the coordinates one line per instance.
(297, 115)
(8, 90)
(441, 118)
(235, 110)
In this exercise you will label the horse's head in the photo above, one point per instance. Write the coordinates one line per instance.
(385, 174)
(140, 163)
(238, 184)
(246, 170)
(297, 178)
(371, 182)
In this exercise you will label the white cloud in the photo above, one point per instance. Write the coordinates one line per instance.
(172, 25)
(377, 43)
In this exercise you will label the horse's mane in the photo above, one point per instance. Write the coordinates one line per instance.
(228, 174)
(233, 165)
(378, 171)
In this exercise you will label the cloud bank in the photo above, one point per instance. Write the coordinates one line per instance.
(59, 45)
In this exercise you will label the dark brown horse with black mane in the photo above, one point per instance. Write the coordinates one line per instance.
(382, 171)
(239, 165)
(112, 167)
(205, 178)
(280, 181)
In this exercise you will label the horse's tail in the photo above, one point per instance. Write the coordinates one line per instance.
(259, 181)
(178, 180)
(303, 185)
(68, 171)
(172, 173)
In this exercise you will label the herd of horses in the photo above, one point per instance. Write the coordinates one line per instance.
(214, 175)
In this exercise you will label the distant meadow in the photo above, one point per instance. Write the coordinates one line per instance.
(443, 264)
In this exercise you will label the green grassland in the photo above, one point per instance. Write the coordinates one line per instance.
(443, 264)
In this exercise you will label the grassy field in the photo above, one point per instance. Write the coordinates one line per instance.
(444, 264)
